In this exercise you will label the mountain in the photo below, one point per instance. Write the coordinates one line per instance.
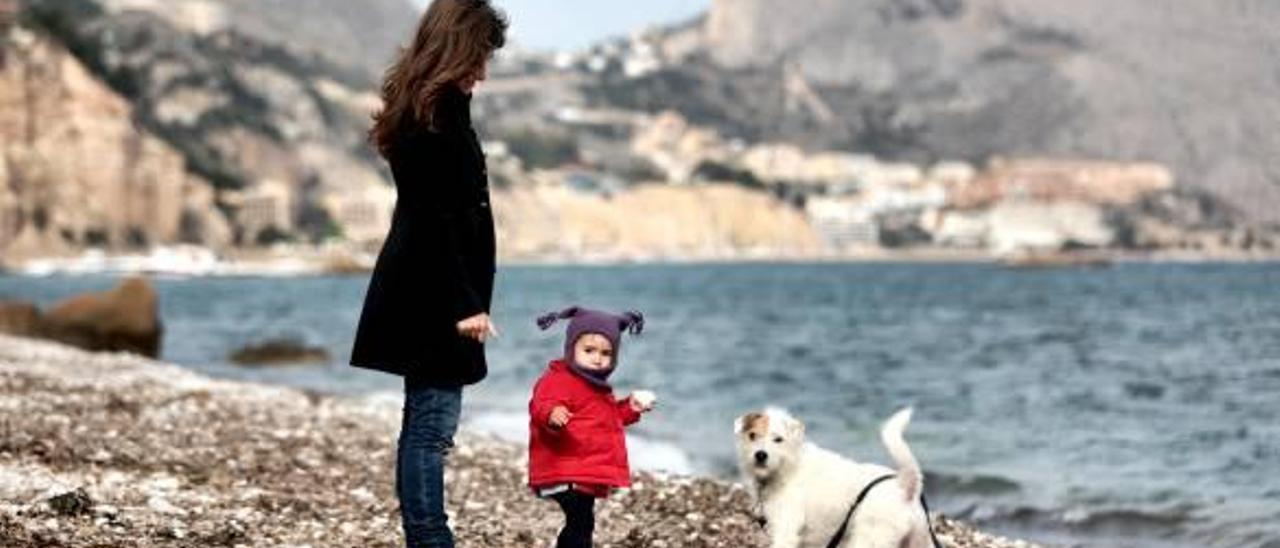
(361, 37)
(204, 125)
(239, 122)
(1190, 84)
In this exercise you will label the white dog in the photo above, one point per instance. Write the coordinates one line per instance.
(805, 492)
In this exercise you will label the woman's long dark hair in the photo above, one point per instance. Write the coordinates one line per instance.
(454, 38)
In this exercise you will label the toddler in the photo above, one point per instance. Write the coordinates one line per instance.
(577, 449)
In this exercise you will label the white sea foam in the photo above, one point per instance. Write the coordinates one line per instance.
(644, 453)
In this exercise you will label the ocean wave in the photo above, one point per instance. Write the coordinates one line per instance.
(1128, 519)
(1094, 526)
(956, 485)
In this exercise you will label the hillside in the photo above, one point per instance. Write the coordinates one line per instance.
(237, 123)
(1189, 85)
(271, 129)
(74, 169)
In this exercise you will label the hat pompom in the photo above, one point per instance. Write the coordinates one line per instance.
(545, 321)
(632, 321)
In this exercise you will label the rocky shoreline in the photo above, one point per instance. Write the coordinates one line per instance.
(118, 450)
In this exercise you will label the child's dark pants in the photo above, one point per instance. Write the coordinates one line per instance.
(579, 519)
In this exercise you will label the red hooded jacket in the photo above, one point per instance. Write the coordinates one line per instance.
(592, 448)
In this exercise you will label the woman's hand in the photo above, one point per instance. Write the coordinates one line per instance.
(478, 327)
(560, 416)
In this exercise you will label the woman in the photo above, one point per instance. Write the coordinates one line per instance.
(426, 312)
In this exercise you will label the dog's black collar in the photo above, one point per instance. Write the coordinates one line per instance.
(758, 511)
(758, 516)
(929, 521)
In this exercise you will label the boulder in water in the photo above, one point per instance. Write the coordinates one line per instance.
(123, 319)
(19, 318)
(279, 352)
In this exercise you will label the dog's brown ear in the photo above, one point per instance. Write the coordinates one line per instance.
(741, 424)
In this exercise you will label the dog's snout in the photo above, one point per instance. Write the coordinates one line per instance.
(761, 457)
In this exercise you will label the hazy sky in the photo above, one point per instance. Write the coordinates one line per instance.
(570, 24)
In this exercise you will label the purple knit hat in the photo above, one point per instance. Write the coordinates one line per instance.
(583, 321)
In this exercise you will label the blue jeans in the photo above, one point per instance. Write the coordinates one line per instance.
(426, 435)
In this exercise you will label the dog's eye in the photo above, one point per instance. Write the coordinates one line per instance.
(777, 439)
(752, 436)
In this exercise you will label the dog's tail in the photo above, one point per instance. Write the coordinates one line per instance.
(909, 474)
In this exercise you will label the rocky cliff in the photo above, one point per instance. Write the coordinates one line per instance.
(1189, 85)
(75, 170)
(258, 117)
(650, 222)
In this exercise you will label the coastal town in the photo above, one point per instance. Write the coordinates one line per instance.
(573, 177)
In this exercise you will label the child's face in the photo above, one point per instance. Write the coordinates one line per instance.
(593, 351)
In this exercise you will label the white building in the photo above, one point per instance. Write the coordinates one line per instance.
(363, 212)
(844, 223)
(267, 204)
(885, 198)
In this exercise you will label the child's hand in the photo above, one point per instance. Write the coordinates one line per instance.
(560, 416)
(642, 401)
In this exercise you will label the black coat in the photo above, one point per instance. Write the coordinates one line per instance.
(436, 266)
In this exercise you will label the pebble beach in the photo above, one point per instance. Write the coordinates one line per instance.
(103, 449)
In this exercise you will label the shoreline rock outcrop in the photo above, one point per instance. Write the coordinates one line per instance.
(125, 318)
(278, 351)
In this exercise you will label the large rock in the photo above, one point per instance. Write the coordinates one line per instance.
(19, 318)
(284, 351)
(123, 319)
